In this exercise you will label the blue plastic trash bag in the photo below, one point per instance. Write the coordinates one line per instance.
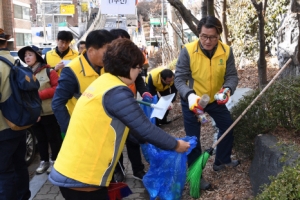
(166, 176)
(147, 109)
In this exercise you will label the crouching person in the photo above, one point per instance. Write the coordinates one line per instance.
(99, 127)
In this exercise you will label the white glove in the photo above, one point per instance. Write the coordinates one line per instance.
(194, 106)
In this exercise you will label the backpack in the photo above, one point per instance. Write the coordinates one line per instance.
(23, 108)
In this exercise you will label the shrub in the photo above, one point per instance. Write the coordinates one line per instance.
(172, 65)
(286, 185)
(278, 106)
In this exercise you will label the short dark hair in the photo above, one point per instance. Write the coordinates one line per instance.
(210, 22)
(80, 43)
(119, 33)
(65, 36)
(122, 55)
(98, 38)
(166, 73)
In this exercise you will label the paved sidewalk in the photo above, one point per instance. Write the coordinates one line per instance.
(42, 189)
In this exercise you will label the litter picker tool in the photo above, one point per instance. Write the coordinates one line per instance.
(161, 107)
(195, 171)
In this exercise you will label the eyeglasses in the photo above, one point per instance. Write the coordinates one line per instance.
(211, 38)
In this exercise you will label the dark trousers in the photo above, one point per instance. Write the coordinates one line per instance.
(69, 194)
(223, 120)
(14, 177)
(134, 155)
(47, 131)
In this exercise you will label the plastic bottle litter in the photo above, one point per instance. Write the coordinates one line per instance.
(203, 103)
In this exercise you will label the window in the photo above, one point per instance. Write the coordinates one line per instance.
(21, 12)
(23, 39)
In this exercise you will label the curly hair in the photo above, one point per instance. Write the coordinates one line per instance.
(122, 55)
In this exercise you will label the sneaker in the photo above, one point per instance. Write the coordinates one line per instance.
(43, 167)
(139, 175)
(50, 167)
(233, 163)
(204, 185)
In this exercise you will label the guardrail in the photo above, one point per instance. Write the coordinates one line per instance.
(98, 23)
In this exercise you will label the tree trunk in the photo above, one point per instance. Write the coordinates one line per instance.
(261, 63)
(224, 22)
(210, 8)
(204, 8)
(186, 14)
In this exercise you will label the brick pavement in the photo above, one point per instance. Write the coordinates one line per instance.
(42, 189)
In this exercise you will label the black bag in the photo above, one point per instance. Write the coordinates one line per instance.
(23, 108)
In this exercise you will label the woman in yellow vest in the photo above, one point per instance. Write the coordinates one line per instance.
(99, 127)
(47, 129)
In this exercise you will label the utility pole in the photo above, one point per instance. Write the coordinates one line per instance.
(43, 19)
(162, 32)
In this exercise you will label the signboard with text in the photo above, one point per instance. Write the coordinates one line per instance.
(115, 7)
(67, 9)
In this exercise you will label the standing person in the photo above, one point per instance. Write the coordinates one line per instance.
(47, 130)
(81, 46)
(62, 53)
(14, 177)
(133, 148)
(208, 66)
(76, 77)
(146, 63)
(99, 127)
(161, 81)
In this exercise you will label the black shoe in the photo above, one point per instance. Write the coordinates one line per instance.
(221, 167)
(161, 122)
(118, 177)
(139, 175)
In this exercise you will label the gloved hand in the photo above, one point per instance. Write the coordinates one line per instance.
(222, 96)
(194, 104)
(171, 106)
(147, 97)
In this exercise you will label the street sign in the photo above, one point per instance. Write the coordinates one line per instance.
(117, 7)
(67, 9)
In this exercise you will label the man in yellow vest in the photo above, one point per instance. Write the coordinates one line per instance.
(78, 75)
(62, 54)
(206, 66)
(161, 81)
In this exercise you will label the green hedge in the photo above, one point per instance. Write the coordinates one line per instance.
(278, 106)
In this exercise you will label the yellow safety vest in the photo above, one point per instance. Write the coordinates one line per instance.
(156, 80)
(208, 74)
(53, 58)
(85, 75)
(94, 140)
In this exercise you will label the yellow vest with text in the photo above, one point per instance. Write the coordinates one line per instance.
(44, 80)
(85, 75)
(53, 58)
(156, 80)
(208, 74)
(94, 140)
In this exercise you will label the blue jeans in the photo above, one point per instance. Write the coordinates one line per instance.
(223, 120)
(14, 177)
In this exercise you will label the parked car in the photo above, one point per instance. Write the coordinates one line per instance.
(16, 57)
(31, 147)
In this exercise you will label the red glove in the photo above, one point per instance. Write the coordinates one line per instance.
(222, 96)
(147, 96)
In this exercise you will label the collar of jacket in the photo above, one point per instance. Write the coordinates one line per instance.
(97, 68)
(217, 50)
(61, 55)
(86, 66)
